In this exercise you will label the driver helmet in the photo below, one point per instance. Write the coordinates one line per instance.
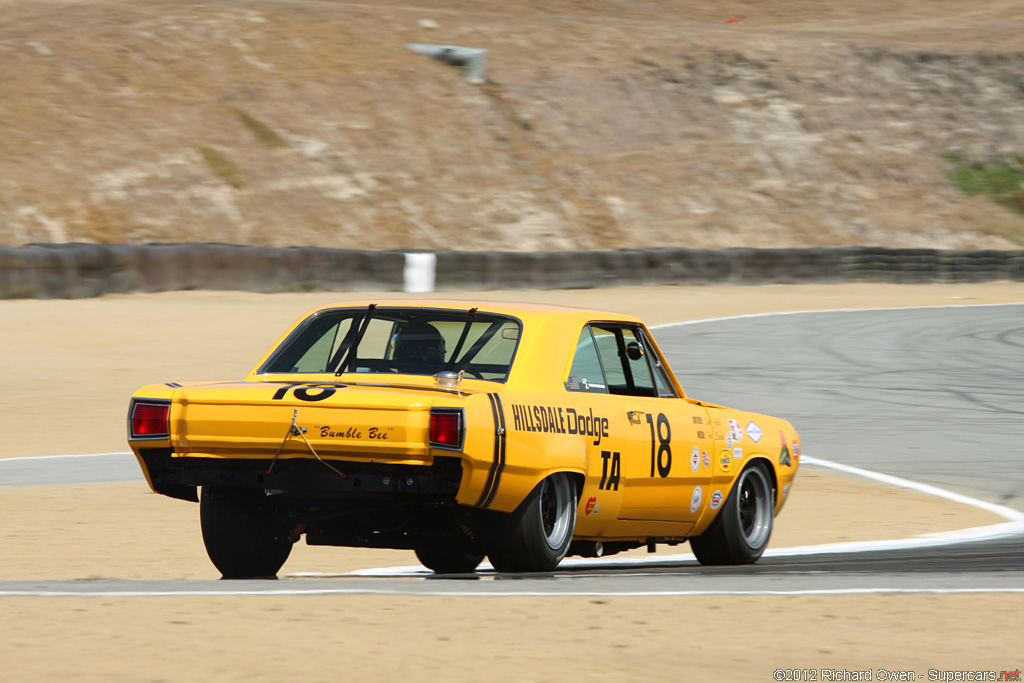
(418, 348)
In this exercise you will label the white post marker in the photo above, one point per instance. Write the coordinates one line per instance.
(419, 272)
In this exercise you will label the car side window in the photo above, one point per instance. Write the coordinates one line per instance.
(624, 361)
(631, 367)
(586, 373)
(636, 357)
(661, 380)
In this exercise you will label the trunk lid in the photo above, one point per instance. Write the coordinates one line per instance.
(252, 420)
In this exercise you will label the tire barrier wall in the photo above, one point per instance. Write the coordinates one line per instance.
(71, 271)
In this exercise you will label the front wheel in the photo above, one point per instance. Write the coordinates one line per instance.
(741, 531)
(449, 556)
(536, 536)
(243, 534)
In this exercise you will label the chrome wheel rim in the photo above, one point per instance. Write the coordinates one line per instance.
(556, 510)
(754, 507)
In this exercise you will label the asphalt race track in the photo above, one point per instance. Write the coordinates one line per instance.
(935, 395)
(931, 395)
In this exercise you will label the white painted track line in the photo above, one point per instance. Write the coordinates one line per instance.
(55, 457)
(1014, 526)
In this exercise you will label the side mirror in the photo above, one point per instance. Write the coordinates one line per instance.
(634, 350)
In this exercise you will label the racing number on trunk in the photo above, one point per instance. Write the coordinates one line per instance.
(661, 447)
(303, 392)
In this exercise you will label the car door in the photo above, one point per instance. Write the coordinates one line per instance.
(593, 412)
(666, 468)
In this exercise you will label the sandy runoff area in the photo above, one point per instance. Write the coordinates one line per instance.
(68, 368)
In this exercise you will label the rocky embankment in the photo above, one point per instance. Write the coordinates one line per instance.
(283, 123)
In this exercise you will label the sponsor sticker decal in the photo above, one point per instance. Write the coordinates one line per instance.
(735, 430)
(728, 440)
(753, 431)
(698, 495)
(707, 459)
(724, 461)
(716, 499)
(784, 458)
(592, 506)
(695, 459)
(737, 452)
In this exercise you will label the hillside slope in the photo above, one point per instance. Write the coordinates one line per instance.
(600, 124)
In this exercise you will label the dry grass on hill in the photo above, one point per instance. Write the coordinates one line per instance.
(601, 125)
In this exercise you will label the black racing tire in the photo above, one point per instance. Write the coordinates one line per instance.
(244, 536)
(741, 531)
(536, 536)
(449, 556)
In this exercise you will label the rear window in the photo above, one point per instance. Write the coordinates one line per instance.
(400, 341)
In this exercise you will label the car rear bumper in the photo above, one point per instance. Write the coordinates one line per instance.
(178, 477)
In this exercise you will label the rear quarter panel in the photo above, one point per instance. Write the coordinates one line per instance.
(741, 438)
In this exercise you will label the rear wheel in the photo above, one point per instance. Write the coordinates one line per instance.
(449, 556)
(741, 531)
(243, 534)
(537, 535)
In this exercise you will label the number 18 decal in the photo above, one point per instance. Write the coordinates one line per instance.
(661, 445)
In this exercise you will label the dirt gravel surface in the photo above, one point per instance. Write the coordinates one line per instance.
(466, 640)
(69, 367)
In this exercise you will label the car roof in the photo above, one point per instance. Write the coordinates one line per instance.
(522, 310)
(537, 365)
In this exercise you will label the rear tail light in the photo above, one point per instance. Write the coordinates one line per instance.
(447, 429)
(148, 420)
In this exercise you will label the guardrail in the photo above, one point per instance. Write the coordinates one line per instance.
(71, 271)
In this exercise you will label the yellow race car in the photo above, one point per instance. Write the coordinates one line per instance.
(519, 432)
